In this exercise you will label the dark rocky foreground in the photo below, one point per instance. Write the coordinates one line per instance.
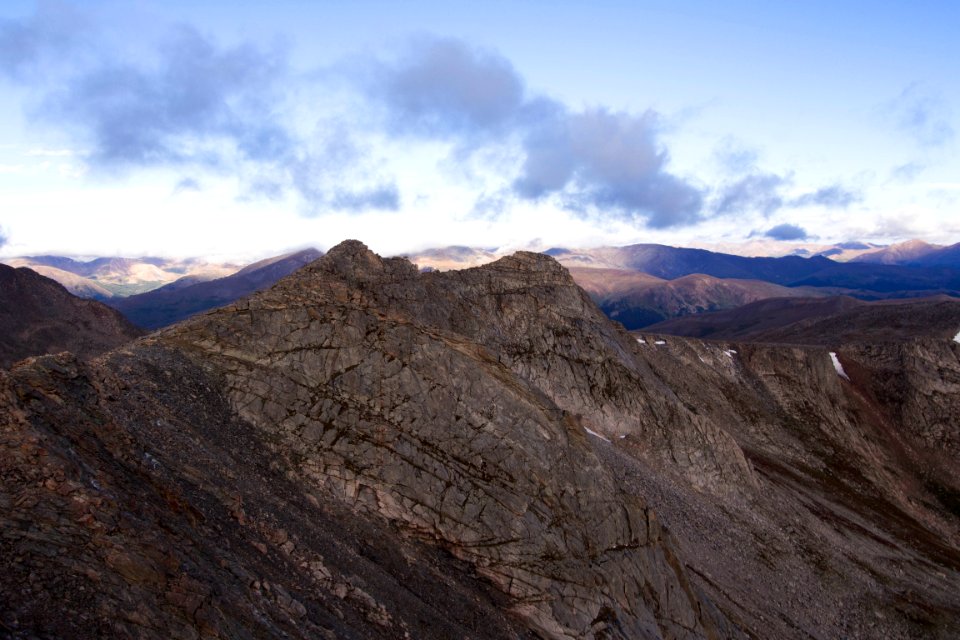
(363, 451)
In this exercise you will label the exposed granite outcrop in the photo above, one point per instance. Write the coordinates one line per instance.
(382, 392)
(530, 315)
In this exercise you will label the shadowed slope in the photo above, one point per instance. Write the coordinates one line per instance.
(823, 321)
(38, 316)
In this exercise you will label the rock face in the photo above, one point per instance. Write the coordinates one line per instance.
(366, 451)
(403, 400)
(857, 503)
(38, 316)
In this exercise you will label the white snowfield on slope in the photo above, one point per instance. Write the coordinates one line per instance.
(838, 366)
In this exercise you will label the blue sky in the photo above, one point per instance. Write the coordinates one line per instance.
(244, 129)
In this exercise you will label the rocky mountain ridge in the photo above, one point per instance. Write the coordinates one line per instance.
(490, 440)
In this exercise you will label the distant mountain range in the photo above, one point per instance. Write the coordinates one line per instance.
(680, 282)
(840, 265)
(638, 285)
(104, 278)
(188, 296)
(674, 262)
(39, 316)
(454, 257)
(915, 253)
(642, 284)
(637, 299)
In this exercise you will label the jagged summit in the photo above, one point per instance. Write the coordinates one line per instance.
(353, 260)
(531, 261)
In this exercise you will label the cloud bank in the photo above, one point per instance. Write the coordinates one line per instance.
(764, 193)
(755, 192)
(27, 45)
(197, 106)
(594, 159)
(833, 196)
(443, 87)
(192, 102)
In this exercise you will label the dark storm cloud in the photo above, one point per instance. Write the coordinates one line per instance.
(443, 86)
(758, 192)
(923, 114)
(195, 98)
(787, 232)
(54, 29)
(384, 197)
(834, 196)
(592, 160)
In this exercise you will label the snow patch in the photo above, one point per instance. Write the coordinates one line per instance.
(594, 433)
(660, 342)
(956, 338)
(642, 341)
(730, 352)
(838, 366)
